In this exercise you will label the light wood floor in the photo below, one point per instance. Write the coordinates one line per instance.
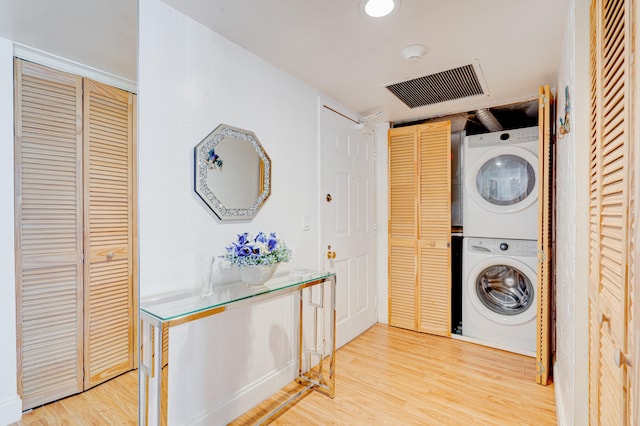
(112, 403)
(387, 376)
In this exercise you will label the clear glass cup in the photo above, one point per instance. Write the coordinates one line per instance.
(206, 264)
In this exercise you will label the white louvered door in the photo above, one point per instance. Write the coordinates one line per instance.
(74, 232)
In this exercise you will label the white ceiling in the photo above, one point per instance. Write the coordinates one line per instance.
(98, 33)
(328, 44)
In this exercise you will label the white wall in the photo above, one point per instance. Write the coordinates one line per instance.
(571, 262)
(10, 403)
(382, 219)
(190, 80)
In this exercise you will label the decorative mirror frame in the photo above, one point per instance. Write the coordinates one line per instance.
(201, 166)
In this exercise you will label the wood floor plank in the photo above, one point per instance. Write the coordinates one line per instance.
(390, 376)
(114, 402)
(386, 376)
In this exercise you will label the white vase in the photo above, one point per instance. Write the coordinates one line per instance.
(257, 274)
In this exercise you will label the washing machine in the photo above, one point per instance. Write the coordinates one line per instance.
(499, 293)
(501, 184)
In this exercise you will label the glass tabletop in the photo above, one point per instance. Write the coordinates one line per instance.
(170, 306)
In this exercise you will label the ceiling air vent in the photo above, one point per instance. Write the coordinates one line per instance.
(443, 86)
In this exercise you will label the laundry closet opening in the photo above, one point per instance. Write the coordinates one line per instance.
(477, 188)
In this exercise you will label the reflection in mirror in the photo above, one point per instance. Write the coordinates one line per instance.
(232, 173)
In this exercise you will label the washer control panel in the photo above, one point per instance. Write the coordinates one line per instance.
(506, 247)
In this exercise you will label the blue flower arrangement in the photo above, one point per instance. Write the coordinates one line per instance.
(262, 250)
(213, 159)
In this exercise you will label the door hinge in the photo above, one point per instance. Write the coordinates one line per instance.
(544, 100)
(542, 256)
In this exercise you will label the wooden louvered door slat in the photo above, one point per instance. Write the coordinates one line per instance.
(594, 217)
(434, 272)
(545, 167)
(633, 291)
(48, 129)
(610, 225)
(109, 293)
(403, 226)
(435, 295)
(402, 285)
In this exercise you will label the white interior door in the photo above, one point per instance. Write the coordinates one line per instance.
(348, 222)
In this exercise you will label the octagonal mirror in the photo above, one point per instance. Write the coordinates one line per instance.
(232, 173)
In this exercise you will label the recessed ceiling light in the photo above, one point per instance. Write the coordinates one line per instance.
(379, 8)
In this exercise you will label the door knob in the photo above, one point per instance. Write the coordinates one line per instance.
(602, 318)
(330, 254)
(620, 358)
(329, 198)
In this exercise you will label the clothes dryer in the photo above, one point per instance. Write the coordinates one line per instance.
(499, 301)
(501, 184)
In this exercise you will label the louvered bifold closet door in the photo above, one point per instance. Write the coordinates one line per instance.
(403, 226)
(610, 142)
(594, 184)
(109, 293)
(434, 271)
(545, 251)
(48, 156)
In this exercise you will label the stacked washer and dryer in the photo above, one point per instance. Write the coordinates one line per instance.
(500, 231)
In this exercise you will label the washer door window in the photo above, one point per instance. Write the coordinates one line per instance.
(504, 180)
(504, 290)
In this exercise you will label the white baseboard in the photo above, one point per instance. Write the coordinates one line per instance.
(10, 410)
(248, 397)
(561, 413)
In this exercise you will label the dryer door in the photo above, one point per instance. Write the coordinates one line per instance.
(504, 180)
(503, 290)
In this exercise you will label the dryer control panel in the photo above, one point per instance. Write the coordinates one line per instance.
(505, 137)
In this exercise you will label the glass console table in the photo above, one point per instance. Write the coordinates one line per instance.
(159, 313)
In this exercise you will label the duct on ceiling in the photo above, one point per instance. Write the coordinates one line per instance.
(488, 120)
